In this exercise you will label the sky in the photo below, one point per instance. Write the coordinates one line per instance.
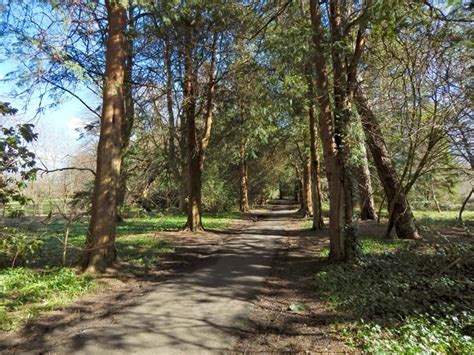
(56, 128)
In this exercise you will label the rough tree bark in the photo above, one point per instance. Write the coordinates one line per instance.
(194, 222)
(342, 118)
(334, 169)
(366, 194)
(402, 214)
(100, 252)
(298, 188)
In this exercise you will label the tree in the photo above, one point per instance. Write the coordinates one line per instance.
(334, 130)
(17, 162)
(366, 194)
(318, 222)
(100, 252)
(412, 81)
(399, 206)
(197, 145)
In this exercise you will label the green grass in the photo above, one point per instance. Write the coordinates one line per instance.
(444, 218)
(41, 283)
(404, 297)
(432, 219)
(26, 293)
(30, 208)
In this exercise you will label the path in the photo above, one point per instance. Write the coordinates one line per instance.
(201, 312)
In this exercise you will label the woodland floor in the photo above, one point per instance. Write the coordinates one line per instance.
(220, 291)
(250, 288)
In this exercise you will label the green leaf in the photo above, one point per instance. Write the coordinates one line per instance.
(297, 307)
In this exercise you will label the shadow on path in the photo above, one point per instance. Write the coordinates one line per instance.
(205, 309)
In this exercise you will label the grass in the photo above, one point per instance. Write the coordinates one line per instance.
(30, 208)
(404, 297)
(42, 283)
(26, 293)
(433, 220)
(444, 218)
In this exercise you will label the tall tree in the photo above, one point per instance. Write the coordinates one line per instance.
(129, 107)
(196, 144)
(318, 221)
(100, 252)
(400, 208)
(334, 169)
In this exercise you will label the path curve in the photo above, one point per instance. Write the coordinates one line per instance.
(201, 312)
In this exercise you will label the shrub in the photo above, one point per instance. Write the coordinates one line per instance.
(16, 244)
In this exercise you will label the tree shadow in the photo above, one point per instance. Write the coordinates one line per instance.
(189, 306)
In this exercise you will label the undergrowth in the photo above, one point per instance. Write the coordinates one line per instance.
(405, 297)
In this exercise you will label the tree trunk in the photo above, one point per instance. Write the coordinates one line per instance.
(366, 194)
(334, 170)
(243, 172)
(307, 207)
(342, 122)
(100, 250)
(397, 201)
(433, 196)
(129, 117)
(183, 173)
(301, 194)
(197, 146)
(194, 222)
(318, 222)
(296, 191)
(298, 188)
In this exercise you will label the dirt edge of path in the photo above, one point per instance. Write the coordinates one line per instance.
(275, 327)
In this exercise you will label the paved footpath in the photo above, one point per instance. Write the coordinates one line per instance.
(203, 311)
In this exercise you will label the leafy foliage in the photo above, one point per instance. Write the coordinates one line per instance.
(16, 244)
(15, 159)
(406, 297)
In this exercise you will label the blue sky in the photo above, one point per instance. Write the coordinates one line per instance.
(58, 137)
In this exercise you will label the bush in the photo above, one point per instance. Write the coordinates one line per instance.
(217, 196)
(16, 244)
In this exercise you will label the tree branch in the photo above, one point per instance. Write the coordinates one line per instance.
(47, 171)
